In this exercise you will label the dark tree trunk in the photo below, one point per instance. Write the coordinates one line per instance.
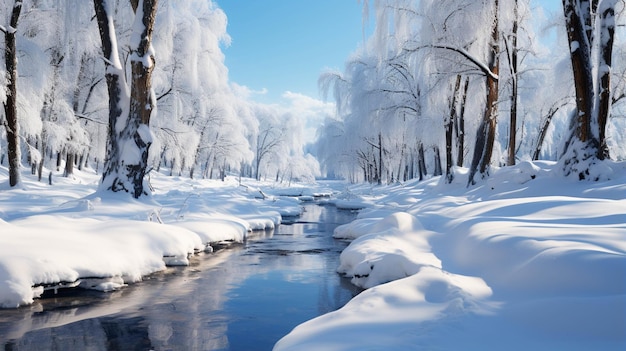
(607, 34)
(59, 158)
(11, 124)
(581, 65)
(421, 161)
(486, 133)
(437, 156)
(380, 158)
(514, 94)
(69, 164)
(543, 131)
(449, 129)
(125, 169)
(460, 127)
(592, 106)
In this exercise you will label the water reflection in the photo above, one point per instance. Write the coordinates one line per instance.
(243, 298)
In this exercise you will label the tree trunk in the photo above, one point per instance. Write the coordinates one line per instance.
(486, 133)
(129, 132)
(69, 164)
(514, 95)
(437, 160)
(592, 83)
(59, 158)
(460, 127)
(10, 105)
(421, 161)
(607, 34)
(580, 56)
(449, 124)
(380, 158)
(543, 131)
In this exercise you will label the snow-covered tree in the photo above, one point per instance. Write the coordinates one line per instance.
(11, 124)
(130, 107)
(590, 29)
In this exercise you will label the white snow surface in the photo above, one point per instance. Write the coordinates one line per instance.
(72, 233)
(525, 260)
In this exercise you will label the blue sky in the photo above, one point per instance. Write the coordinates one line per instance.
(284, 45)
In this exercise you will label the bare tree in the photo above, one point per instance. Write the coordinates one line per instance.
(10, 105)
(270, 137)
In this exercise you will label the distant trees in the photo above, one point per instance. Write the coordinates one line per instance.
(422, 47)
(453, 71)
(433, 84)
(268, 142)
(71, 62)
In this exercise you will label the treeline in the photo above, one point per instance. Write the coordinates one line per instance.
(63, 60)
(447, 83)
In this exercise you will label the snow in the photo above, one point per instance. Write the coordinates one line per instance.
(527, 259)
(70, 232)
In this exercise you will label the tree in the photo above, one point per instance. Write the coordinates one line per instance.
(130, 110)
(590, 27)
(486, 133)
(268, 141)
(11, 124)
(512, 54)
(449, 124)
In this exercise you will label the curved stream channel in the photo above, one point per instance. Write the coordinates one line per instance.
(242, 298)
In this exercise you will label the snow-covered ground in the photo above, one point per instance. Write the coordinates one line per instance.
(68, 233)
(526, 260)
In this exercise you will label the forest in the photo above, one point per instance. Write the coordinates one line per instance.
(130, 87)
(201, 125)
(445, 84)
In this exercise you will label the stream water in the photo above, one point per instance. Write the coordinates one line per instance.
(242, 298)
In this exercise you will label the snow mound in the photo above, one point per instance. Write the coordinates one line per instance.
(395, 247)
(527, 259)
(70, 249)
(76, 236)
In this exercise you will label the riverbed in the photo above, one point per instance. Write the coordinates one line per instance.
(245, 297)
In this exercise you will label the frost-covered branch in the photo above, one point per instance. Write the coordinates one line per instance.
(82, 116)
(480, 65)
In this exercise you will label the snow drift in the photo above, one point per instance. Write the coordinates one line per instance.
(525, 260)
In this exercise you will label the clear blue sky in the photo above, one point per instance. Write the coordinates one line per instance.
(284, 45)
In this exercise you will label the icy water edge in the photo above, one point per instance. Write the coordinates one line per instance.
(242, 298)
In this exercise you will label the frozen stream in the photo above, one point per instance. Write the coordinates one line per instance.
(242, 298)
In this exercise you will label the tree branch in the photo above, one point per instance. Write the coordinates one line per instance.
(481, 66)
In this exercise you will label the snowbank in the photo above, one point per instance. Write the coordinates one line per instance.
(70, 235)
(525, 260)
(396, 247)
